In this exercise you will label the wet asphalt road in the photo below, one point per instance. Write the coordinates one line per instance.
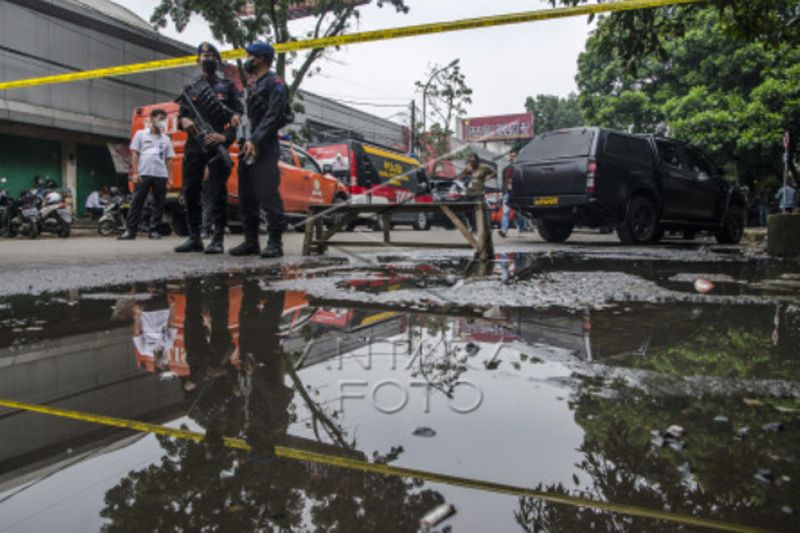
(86, 259)
(589, 370)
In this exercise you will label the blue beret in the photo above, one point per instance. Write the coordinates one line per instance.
(261, 49)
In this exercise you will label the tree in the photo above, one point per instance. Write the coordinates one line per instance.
(642, 32)
(552, 112)
(734, 98)
(445, 95)
(270, 20)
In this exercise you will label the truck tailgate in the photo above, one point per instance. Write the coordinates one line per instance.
(552, 178)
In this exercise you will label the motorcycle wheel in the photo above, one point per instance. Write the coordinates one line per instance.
(10, 230)
(63, 229)
(106, 228)
(33, 231)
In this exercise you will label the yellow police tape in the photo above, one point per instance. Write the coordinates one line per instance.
(354, 38)
(388, 470)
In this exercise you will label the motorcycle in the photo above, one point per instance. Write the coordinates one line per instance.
(54, 215)
(115, 214)
(5, 204)
(113, 218)
(23, 216)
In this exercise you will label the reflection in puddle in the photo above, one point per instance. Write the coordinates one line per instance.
(581, 401)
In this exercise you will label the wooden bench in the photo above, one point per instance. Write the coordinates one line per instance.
(320, 227)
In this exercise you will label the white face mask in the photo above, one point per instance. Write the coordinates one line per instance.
(161, 125)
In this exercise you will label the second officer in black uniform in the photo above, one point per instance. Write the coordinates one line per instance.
(217, 101)
(267, 112)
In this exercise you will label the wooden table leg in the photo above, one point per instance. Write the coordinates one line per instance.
(487, 220)
(386, 222)
(309, 234)
(319, 227)
(482, 237)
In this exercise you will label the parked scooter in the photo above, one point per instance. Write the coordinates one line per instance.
(54, 215)
(5, 205)
(23, 216)
(115, 215)
(114, 212)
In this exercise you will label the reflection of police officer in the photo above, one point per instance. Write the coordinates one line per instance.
(216, 100)
(267, 417)
(207, 337)
(259, 177)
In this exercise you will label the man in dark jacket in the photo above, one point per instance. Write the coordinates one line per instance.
(216, 100)
(259, 177)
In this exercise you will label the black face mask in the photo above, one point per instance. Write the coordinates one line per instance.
(249, 66)
(209, 66)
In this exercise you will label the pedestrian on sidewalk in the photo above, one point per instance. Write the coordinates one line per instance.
(151, 160)
(520, 219)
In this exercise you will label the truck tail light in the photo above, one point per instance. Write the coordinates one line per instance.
(353, 169)
(591, 175)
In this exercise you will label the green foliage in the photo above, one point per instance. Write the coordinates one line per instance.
(551, 112)
(732, 97)
(270, 21)
(640, 33)
(718, 351)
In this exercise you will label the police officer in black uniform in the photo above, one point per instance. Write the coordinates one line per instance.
(259, 177)
(216, 100)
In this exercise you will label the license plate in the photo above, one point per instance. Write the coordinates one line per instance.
(30, 212)
(544, 201)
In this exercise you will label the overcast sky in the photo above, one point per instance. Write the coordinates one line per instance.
(503, 65)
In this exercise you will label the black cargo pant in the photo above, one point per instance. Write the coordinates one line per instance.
(259, 339)
(194, 166)
(258, 189)
(206, 349)
(146, 184)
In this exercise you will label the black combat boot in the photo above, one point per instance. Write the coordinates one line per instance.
(250, 245)
(193, 244)
(215, 246)
(274, 247)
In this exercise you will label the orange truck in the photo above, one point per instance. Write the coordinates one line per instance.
(303, 181)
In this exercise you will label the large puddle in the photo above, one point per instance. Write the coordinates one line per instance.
(685, 402)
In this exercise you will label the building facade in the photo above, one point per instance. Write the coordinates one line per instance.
(63, 132)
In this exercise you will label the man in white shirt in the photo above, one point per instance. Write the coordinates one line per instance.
(151, 161)
(95, 202)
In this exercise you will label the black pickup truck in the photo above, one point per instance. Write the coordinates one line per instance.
(641, 184)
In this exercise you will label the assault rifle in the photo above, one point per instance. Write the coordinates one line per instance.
(204, 129)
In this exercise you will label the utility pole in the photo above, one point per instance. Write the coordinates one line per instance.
(413, 136)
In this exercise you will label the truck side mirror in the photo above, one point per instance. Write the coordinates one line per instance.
(327, 169)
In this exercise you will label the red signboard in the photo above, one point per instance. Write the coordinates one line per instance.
(498, 128)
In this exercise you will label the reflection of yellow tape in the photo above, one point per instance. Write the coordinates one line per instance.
(354, 38)
(388, 470)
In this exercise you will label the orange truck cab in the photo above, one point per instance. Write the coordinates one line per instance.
(303, 182)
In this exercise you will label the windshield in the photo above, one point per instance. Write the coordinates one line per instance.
(558, 145)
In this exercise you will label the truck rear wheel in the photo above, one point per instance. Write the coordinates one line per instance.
(732, 228)
(640, 224)
(555, 231)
